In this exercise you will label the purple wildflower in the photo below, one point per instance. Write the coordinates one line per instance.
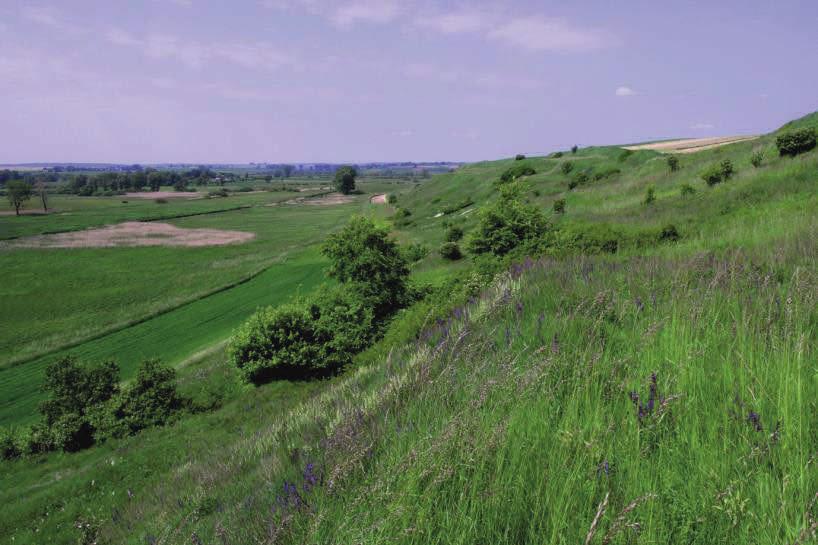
(755, 419)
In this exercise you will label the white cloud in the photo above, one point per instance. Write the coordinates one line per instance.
(455, 23)
(625, 91)
(253, 56)
(541, 34)
(702, 126)
(49, 17)
(371, 11)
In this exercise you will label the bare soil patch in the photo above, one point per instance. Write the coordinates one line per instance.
(691, 145)
(164, 195)
(323, 200)
(130, 234)
(378, 199)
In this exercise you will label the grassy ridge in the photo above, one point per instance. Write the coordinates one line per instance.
(512, 419)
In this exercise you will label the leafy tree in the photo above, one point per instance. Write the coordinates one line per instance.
(363, 257)
(18, 192)
(796, 142)
(673, 163)
(155, 180)
(519, 157)
(74, 392)
(574, 149)
(345, 179)
(287, 170)
(150, 401)
(507, 224)
(451, 251)
(392, 199)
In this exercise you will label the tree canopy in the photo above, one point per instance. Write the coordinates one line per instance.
(345, 179)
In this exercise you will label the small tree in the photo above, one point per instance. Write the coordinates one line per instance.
(727, 169)
(574, 149)
(650, 196)
(18, 192)
(567, 167)
(364, 257)
(717, 173)
(450, 251)
(74, 392)
(519, 157)
(392, 199)
(687, 190)
(559, 206)
(757, 158)
(673, 163)
(796, 142)
(344, 180)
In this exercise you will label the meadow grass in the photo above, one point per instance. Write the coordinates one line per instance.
(663, 394)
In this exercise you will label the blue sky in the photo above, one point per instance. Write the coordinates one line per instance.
(383, 80)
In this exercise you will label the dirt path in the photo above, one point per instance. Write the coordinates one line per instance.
(691, 145)
(378, 199)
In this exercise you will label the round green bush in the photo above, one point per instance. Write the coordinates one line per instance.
(451, 251)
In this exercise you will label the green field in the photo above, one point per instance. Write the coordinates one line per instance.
(520, 415)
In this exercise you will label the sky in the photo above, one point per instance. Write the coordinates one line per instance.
(217, 81)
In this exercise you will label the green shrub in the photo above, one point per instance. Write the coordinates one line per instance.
(650, 196)
(519, 157)
(574, 149)
(451, 251)
(74, 392)
(392, 199)
(414, 252)
(363, 257)
(687, 190)
(402, 213)
(796, 142)
(669, 233)
(580, 178)
(9, 446)
(452, 208)
(673, 163)
(453, 234)
(567, 167)
(559, 206)
(152, 400)
(507, 224)
(718, 173)
(275, 340)
(515, 172)
(608, 173)
(298, 339)
(572, 184)
(757, 159)
(556, 154)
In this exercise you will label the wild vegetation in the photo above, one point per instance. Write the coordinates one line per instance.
(602, 371)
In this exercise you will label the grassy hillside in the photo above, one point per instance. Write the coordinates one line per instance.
(662, 393)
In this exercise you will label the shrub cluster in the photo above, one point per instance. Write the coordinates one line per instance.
(515, 172)
(414, 252)
(452, 208)
(718, 173)
(796, 142)
(319, 335)
(673, 163)
(567, 167)
(650, 196)
(85, 405)
(757, 158)
(519, 157)
(507, 224)
(559, 206)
